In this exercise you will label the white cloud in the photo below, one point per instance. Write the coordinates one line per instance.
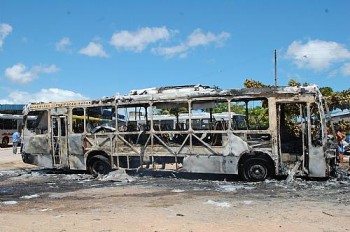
(195, 39)
(18, 73)
(171, 51)
(139, 40)
(94, 49)
(5, 101)
(44, 95)
(198, 38)
(5, 30)
(345, 70)
(333, 73)
(63, 44)
(45, 69)
(317, 54)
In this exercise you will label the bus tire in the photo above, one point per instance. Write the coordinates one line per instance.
(99, 165)
(255, 169)
(5, 142)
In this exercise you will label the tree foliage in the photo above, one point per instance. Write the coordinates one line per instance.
(335, 100)
(254, 84)
(173, 111)
(326, 91)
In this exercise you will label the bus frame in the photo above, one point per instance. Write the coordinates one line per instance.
(128, 135)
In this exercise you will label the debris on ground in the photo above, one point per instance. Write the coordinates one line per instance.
(117, 176)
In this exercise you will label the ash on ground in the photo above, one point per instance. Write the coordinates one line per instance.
(20, 185)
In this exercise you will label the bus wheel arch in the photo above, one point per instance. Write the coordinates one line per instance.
(98, 163)
(5, 141)
(256, 166)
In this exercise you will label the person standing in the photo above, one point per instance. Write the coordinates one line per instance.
(340, 138)
(16, 138)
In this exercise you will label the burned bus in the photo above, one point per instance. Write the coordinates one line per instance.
(260, 132)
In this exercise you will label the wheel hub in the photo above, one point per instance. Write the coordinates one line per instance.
(257, 172)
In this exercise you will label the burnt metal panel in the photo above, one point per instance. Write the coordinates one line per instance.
(42, 160)
(64, 152)
(77, 162)
(75, 144)
(317, 162)
(38, 144)
(234, 145)
(211, 164)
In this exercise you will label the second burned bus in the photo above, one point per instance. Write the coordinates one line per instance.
(276, 130)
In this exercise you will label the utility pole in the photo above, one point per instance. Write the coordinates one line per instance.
(275, 68)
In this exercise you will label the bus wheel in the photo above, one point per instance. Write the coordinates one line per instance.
(99, 165)
(255, 169)
(5, 142)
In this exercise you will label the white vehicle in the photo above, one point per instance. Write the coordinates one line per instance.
(8, 125)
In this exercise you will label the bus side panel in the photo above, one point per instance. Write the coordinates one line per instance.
(76, 152)
(211, 164)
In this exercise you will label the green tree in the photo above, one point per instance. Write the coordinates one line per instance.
(294, 83)
(326, 91)
(249, 83)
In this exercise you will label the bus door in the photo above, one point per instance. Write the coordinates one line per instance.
(292, 132)
(59, 141)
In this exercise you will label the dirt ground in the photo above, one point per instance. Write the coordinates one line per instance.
(33, 199)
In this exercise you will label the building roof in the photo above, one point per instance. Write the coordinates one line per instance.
(344, 113)
(11, 108)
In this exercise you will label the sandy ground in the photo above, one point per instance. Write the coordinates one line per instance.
(9, 161)
(165, 204)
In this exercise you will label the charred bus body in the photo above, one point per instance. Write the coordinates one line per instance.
(277, 129)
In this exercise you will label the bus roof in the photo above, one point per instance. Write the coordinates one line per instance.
(194, 91)
(176, 93)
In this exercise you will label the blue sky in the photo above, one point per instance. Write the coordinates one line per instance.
(66, 50)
